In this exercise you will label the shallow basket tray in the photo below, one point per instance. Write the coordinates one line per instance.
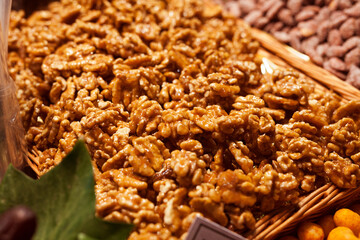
(328, 197)
(322, 200)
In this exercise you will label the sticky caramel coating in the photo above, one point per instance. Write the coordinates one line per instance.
(175, 111)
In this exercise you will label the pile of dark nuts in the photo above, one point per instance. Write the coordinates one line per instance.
(326, 30)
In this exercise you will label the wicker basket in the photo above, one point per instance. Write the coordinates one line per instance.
(328, 197)
(322, 200)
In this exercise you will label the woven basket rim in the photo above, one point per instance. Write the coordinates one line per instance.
(328, 196)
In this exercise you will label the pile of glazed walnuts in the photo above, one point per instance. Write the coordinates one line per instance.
(176, 113)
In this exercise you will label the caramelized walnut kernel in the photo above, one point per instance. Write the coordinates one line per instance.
(342, 171)
(176, 114)
(152, 231)
(237, 188)
(242, 219)
(206, 199)
(121, 204)
(146, 155)
(240, 152)
(145, 116)
(187, 167)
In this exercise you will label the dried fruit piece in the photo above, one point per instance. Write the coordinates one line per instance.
(327, 223)
(347, 218)
(310, 231)
(341, 233)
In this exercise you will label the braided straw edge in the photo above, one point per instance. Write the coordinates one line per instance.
(328, 197)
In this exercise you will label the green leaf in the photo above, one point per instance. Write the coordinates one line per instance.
(63, 200)
(83, 236)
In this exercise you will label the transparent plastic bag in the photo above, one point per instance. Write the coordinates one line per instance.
(11, 131)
